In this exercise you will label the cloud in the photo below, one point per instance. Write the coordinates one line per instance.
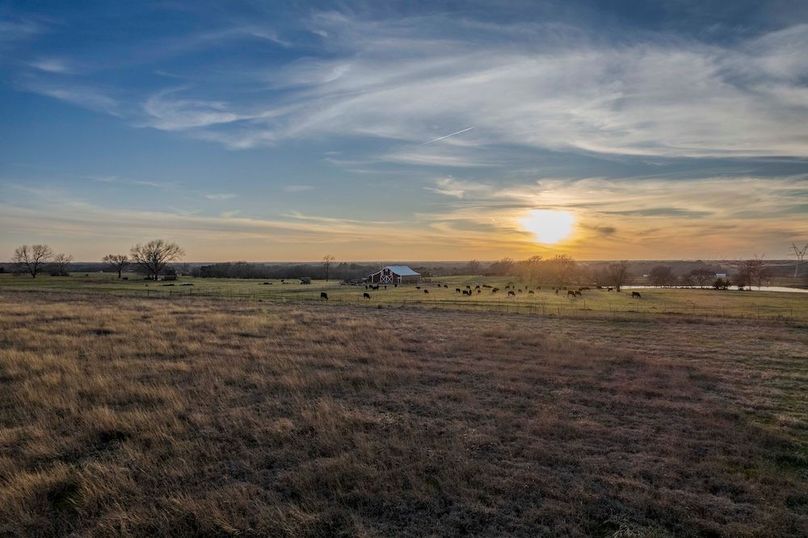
(457, 188)
(172, 114)
(53, 65)
(15, 30)
(220, 196)
(534, 86)
(402, 80)
(83, 96)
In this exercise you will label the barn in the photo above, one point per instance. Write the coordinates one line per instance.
(394, 274)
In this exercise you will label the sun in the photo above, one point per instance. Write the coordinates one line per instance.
(548, 226)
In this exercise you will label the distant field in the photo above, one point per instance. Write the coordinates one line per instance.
(148, 416)
(706, 302)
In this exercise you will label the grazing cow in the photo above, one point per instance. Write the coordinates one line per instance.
(446, 285)
(519, 290)
(375, 287)
(366, 295)
(457, 290)
(556, 291)
(426, 291)
(609, 289)
(486, 285)
(511, 293)
(468, 287)
(578, 294)
(539, 288)
(494, 290)
(571, 293)
(531, 292)
(479, 291)
(323, 295)
(417, 287)
(636, 294)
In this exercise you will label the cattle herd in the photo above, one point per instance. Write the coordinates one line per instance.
(511, 288)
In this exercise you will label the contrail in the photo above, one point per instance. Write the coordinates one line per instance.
(467, 129)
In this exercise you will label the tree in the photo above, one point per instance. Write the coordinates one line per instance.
(117, 262)
(529, 270)
(153, 257)
(502, 267)
(618, 274)
(327, 259)
(32, 259)
(662, 275)
(473, 268)
(721, 284)
(60, 264)
(799, 254)
(701, 276)
(559, 270)
(755, 270)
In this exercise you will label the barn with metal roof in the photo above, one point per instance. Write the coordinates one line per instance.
(394, 274)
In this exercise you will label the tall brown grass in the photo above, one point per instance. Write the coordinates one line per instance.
(149, 417)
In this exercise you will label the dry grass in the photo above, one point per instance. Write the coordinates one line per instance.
(143, 417)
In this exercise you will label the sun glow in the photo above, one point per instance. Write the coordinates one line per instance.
(548, 226)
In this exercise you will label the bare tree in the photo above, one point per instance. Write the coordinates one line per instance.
(32, 259)
(662, 275)
(618, 274)
(153, 257)
(799, 254)
(755, 271)
(60, 264)
(701, 276)
(117, 262)
(473, 267)
(327, 259)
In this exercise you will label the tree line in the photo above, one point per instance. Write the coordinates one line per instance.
(150, 258)
(153, 258)
(562, 270)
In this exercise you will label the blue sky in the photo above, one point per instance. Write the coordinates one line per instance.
(419, 130)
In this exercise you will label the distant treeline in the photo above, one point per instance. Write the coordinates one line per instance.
(337, 271)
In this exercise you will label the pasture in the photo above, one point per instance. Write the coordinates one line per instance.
(545, 302)
(124, 415)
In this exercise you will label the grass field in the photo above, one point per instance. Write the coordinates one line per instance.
(690, 302)
(202, 415)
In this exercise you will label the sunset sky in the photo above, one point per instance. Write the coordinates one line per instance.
(269, 131)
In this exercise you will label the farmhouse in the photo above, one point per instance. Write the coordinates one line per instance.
(394, 274)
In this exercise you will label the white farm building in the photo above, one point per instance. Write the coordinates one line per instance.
(394, 274)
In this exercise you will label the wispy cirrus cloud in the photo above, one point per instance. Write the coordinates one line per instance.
(84, 96)
(646, 98)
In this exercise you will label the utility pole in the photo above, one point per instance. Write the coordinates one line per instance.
(799, 253)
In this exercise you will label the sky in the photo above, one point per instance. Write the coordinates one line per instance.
(280, 131)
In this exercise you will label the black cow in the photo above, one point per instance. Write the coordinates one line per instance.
(511, 293)
(366, 295)
(636, 294)
(570, 293)
(426, 291)
(323, 295)
(457, 290)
